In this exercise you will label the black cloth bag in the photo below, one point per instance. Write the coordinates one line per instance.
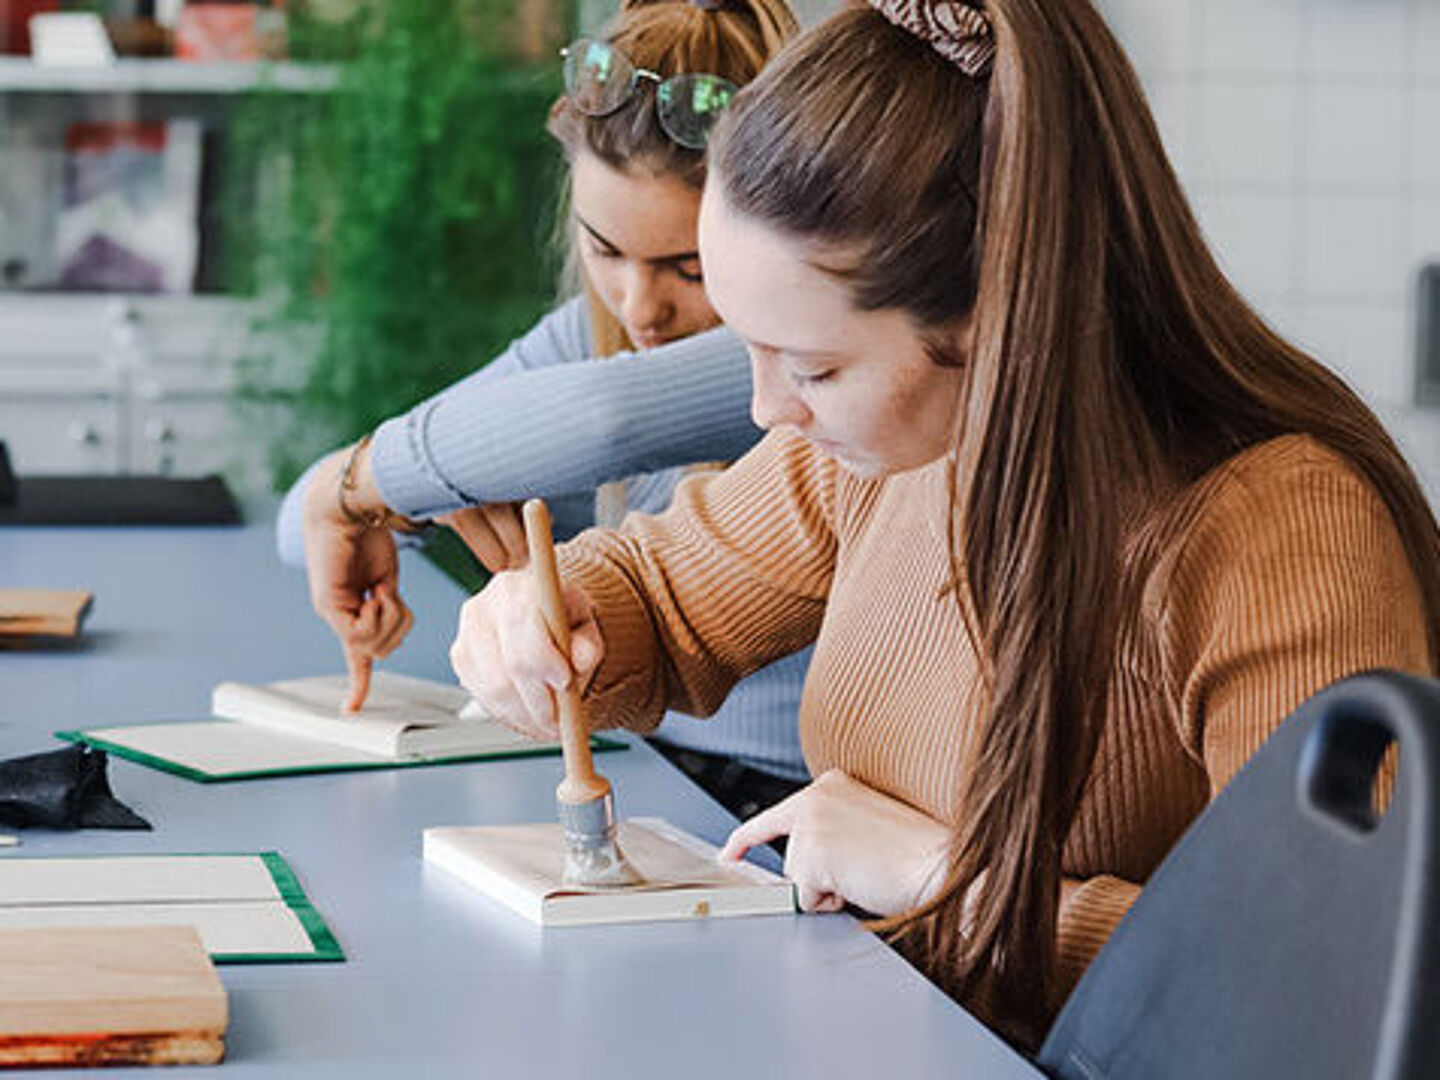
(62, 789)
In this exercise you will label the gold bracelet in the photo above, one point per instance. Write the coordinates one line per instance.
(380, 518)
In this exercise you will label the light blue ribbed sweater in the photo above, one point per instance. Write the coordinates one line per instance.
(543, 419)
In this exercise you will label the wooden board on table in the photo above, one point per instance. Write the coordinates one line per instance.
(132, 995)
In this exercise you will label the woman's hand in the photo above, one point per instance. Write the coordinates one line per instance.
(354, 574)
(504, 654)
(851, 844)
(494, 533)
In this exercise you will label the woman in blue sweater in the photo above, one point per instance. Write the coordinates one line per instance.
(593, 436)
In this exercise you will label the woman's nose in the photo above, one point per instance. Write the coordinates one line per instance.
(773, 401)
(646, 304)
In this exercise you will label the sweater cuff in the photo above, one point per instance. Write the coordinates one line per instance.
(1089, 912)
(404, 475)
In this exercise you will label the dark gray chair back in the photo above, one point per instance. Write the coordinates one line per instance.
(1291, 932)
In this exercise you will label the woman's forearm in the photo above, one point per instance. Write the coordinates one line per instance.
(568, 428)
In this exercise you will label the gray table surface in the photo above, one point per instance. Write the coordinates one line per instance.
(439, 981)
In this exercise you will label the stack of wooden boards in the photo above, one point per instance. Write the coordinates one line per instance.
(139, 995)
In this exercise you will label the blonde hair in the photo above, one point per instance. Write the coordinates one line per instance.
(733, 39)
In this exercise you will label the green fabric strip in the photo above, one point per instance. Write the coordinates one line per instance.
(321, 939)
(598, 743)
(163, 764)
(326, 948)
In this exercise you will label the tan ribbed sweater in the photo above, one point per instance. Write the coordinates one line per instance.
(1271, 577)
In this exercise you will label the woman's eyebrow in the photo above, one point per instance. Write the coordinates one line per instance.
(594, 232)
(600, 238)
(814, 355)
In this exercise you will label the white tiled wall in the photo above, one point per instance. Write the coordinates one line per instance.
(1307, 133)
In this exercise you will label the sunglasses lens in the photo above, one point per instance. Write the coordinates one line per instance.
(689, 105)
(597, 77)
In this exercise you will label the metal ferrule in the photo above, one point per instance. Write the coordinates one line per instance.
(588, 824)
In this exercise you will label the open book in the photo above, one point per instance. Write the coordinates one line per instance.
(523, 866)
(296, 726)
(109, 996)
(402, 717)
(247, 908)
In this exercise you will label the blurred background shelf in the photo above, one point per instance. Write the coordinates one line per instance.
(20, 74)
(110, 383)
(198, 255)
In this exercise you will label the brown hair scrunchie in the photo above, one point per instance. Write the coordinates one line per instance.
(960, 33)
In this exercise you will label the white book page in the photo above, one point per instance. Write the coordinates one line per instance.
(441, 702)
(263, 707)
(478, 736)
(127, 879)
(224, 747)
(392, 697)
(224, 927)
(397, 704)
(398, 699)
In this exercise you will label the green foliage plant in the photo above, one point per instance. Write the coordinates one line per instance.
(394, 229)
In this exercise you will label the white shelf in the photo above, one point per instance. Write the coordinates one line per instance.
(163, 77)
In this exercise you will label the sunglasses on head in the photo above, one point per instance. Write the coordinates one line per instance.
(600, 79)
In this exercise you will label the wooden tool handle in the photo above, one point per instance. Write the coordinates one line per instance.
(581, 783)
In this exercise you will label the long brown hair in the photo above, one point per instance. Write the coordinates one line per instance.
(1110, 362)
(730, 38)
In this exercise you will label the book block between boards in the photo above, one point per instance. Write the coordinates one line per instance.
(113, 996)
(522, 867)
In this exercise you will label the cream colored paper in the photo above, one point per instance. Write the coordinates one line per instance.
(401, 715)
(234, 927)
(231, 900)
(128, 879)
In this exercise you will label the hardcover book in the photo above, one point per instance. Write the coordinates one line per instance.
(523, 867)
(296, 726)
(247, 907)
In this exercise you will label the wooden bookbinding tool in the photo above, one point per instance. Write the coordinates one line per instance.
(116, 995)
(585, 800)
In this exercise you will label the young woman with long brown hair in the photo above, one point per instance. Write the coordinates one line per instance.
(1072, 529)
